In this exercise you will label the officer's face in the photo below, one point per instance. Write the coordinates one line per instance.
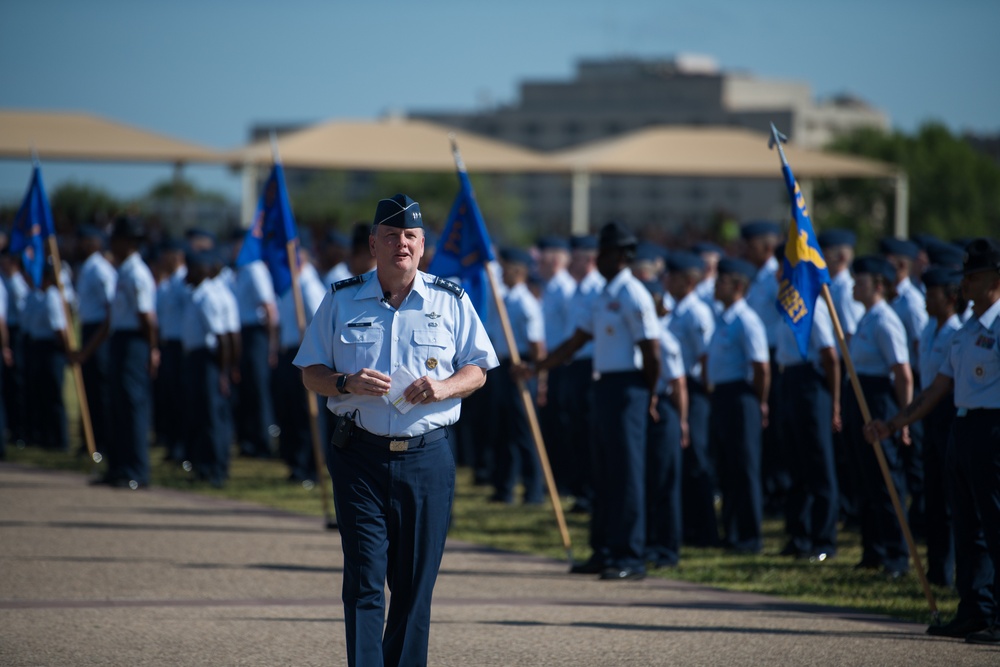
(864, 288)
(397, 248)
(727, 289)
(937, 303)
(982, 288)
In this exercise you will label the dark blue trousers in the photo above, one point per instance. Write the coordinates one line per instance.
(292, 413)
(554, 420)
(618, 520)
(393, 509)
(516, 456)
(736, 439)
(254, 412)
(131, 396)
(938, 509)
(582, 444)
(881, 535)
(913, 473)
(207, 435)
(15, 392)
(663, 485)
(173, 399)
(973, 464)
(97, 383)
(698, 478)
(811, 505)
(475, 431)
(48, 363)
(774, 462)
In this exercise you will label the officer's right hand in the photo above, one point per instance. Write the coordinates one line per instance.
(368, 382)
(522, 371)
(876, 431)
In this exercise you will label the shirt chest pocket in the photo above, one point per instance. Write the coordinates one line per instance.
(362, 346)
(430, 348)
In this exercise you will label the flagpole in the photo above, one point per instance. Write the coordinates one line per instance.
(300, 318)
(529, 406)
(776, 139)
(81, 393)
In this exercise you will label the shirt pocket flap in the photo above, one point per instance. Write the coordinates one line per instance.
(360, 336)
(432, 338)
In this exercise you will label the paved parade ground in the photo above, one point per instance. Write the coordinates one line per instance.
(98, 576)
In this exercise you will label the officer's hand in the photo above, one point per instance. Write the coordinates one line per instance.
(74, 357)
(154, 362)
(224, 385)
(685, 435)
(876, 431)
(424, 390)
(838, 424)
(904, 436)
(235, 375)
(522, 371)
(272, 358)
(763, 415)
(8, 357)
(368, 382)
(653, 412)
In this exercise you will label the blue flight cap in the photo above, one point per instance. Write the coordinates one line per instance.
(198, 232)
(516, 256)
(615, 235)
(941, 276)
(752, 230)
(685, 261)
(646, 251)
(982, 255)
(923, 240)
(731, 265)
(552, 243)
(703, 247)
(203, 259)
(874, 265)
(898, 247)
(398, 211)
(829, 238)
(587, 242)
(945, 254)
(172, 245)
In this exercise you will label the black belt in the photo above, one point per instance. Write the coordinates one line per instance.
(963, 412)
(399, 443)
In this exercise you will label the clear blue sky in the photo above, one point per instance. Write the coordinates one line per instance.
(206, 70)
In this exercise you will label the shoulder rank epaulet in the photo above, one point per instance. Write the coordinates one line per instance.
(450, 286)
(347, 282)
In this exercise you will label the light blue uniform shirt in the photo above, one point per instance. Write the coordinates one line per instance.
(582, 304)
(821, 337)
(849, 311)
(135, 292)
(911, 306)
(171, 300)
(706, 292)
(762, 295)
(254, 290)
(95, 289)
(671, 362)
(623, 314)
(973, 361)
(202, 321)
(17, 297)
(692, 323)
(230, 307)
(737, 342)
(879, 343)
(526, 321)
(434, 333)
(44, 314)
(4, 305)
(556, 302)
(312, 296)
(934, 345)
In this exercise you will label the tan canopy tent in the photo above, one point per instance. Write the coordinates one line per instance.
(84, 137)
(712, 152)
(394, 144)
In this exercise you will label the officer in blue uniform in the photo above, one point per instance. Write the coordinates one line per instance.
(943, 291)
(515, 455)
(882, 361)
(692, 322)
(971, 370)
(47, 344)
(710, 254)
(812, 415)
(171, 297)
(135, 358)
(395, 350)
(626, 334)
(95, 288)
(6, 359)
(739, 377)
(14, 367)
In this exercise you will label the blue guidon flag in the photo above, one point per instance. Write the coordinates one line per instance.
(804, 270)
(273, 227)
(32, 226)
(465, 247)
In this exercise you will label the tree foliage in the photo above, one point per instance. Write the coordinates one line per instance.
(954, 191)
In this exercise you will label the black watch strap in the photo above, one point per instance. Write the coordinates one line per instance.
(342, 384)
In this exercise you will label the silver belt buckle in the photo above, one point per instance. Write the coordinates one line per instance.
(399, 445)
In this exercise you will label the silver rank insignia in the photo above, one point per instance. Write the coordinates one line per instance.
(433, 316)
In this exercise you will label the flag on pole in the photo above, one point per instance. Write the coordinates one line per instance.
(32, 226)
(273, 227)
(465, 247)
(804, 270)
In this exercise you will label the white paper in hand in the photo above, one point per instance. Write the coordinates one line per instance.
(400, 380)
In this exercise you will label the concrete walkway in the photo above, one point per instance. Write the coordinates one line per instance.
(97, 576)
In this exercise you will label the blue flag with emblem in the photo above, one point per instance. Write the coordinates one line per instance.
(32, 225)
(465, 247)
(273, 227)
(804, 270)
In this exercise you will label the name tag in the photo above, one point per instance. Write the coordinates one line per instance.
(358, 324)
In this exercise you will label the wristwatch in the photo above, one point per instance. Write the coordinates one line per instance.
(342, 384)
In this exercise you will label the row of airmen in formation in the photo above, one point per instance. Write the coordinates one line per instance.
(739, 413)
